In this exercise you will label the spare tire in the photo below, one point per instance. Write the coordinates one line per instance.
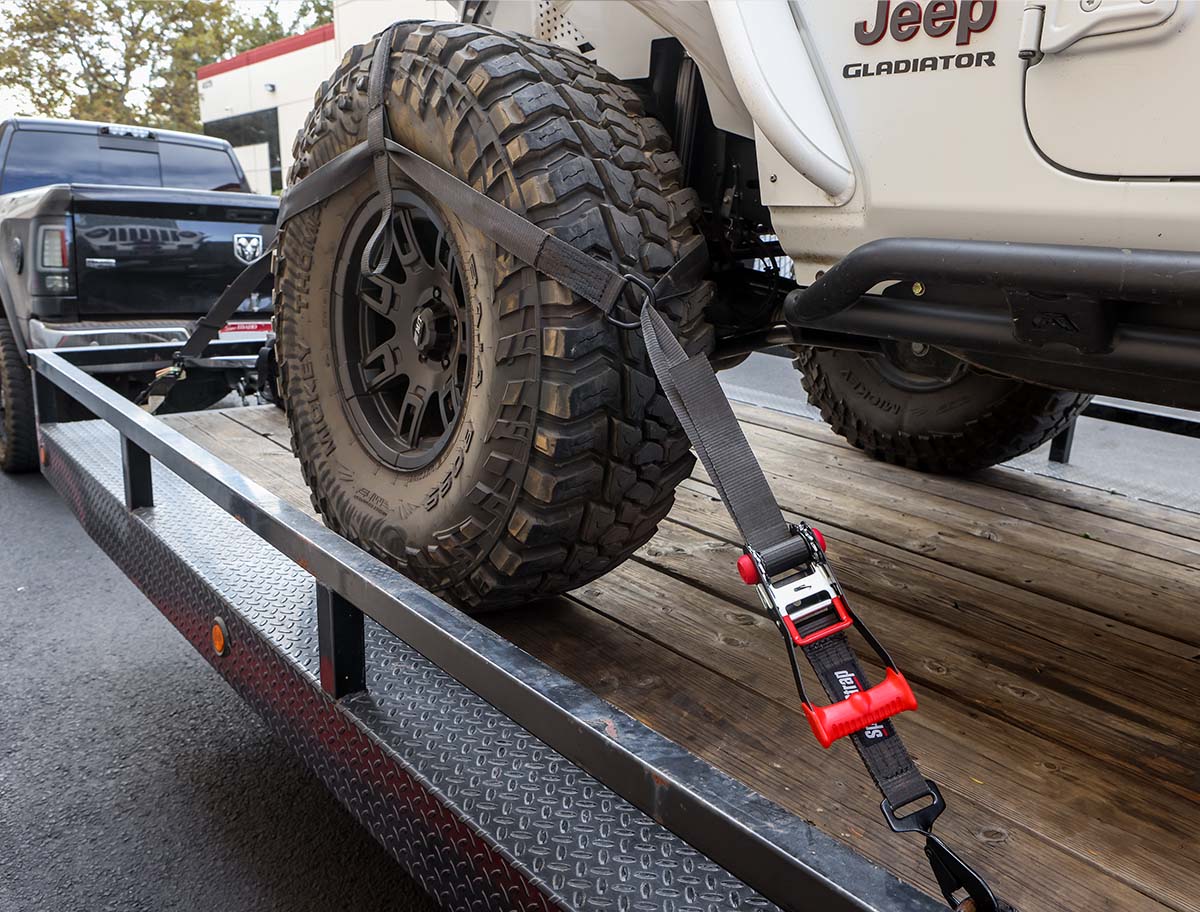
(460, 416)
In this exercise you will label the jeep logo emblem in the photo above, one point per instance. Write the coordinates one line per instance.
(938, 18)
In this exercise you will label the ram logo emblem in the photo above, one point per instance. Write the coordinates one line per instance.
(247, 247)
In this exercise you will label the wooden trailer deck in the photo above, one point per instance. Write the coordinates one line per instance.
(1052, 634)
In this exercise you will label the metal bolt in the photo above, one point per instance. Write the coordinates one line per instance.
(774, 178)
(1089, 6)
(918, 288)
(920, 349)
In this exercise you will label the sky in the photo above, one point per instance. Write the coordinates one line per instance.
(9, 103)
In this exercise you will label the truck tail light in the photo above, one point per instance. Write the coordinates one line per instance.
(52, 249)
(54, 272)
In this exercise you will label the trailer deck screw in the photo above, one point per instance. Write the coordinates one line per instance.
(918, 288)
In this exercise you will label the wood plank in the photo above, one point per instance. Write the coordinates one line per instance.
(267, 420)
(1002, 766)
(759, 742)
(955, 597)
(1137, 589)
(1170, 520)
(1089, 526)
(982, 668)
(1158, 729)
(251, 453)
(271, 423)
(1049, 800)
(941, 497)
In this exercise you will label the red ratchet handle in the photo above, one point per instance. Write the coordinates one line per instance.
(844, 620)
(890, 696)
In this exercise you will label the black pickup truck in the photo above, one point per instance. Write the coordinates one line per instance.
(113, 235)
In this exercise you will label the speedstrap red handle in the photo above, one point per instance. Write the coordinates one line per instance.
(862, 709)
(801, 594)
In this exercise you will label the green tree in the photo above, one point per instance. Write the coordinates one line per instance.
(130, 61)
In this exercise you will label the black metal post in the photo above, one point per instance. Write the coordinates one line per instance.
(1060, 446)
(139, 484)
(50, 403)
(341, 644)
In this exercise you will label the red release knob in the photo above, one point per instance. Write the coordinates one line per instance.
(819, 537)
(748, 571)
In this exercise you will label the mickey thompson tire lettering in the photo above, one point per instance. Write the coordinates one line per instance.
(566, 454)
(977, 421)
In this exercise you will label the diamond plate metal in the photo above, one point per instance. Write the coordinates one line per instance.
(481, 813)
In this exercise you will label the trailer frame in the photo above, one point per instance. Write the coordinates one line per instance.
(496, 781)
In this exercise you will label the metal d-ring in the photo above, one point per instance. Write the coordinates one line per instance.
(641, 283)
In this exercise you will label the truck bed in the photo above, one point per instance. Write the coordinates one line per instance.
(1050, 631)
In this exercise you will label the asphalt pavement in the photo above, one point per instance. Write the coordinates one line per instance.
(131, 776)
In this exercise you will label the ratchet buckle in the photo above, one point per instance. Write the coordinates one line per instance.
(801, 595)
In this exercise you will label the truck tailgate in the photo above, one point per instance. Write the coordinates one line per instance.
(160, 252)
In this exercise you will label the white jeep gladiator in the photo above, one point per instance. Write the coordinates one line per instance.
(963, 218)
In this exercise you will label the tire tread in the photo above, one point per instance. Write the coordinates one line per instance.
(18, 446)
(543, 129)
(1019, 422)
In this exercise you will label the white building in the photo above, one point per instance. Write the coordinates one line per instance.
(259, 99)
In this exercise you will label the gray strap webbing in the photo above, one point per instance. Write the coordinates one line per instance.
(378, 252)
(692, 388)
(331, 178)
(209, 326)
(593, 279)
(695, 394)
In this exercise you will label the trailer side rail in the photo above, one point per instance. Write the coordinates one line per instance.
(757, 853)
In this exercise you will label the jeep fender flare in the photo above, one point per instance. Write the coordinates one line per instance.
(779, 85)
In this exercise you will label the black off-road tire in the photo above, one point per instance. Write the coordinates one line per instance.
(18, 433)
(979, 420)
(566, 454)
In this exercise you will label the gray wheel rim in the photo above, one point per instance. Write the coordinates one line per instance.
(402, 339)
(904, 369)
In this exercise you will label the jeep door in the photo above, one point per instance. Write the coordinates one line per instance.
(1109, 83)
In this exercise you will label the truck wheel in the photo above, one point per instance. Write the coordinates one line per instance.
(461, 416)
(18, 433)
(919, 407)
